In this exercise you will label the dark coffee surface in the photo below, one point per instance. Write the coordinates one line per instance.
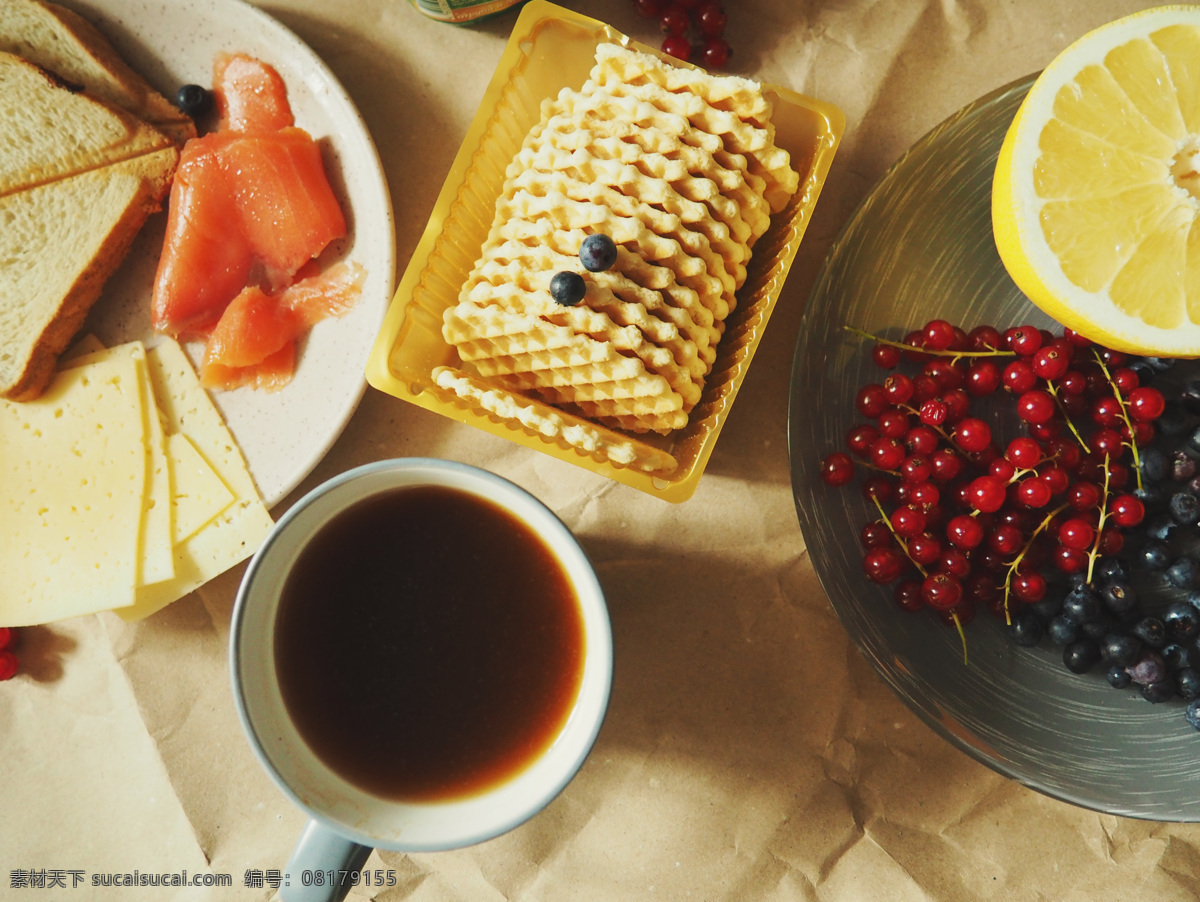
(428, 644)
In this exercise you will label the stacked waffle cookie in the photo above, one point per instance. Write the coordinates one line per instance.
(681, 170)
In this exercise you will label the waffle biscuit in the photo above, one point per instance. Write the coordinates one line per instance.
(569, 430)
(740, 96)
(626, 118)
(757, 145)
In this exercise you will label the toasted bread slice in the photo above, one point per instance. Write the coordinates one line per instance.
(78, 178)
(62, 41)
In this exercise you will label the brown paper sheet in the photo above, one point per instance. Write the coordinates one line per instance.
(749, 751)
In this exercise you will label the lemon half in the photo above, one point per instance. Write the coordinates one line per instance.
(1096, 197)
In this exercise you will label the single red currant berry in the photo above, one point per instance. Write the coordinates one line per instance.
(981, 588)
(871, 400)
(1076, 339)
(1146, 403)
(1072, 382)
(948, 374)
(893, 423)
(1024, 452)
(1018, 377)
(1023, 340)
(984, 338)
(908, 521)
(1002, 469)
(942, 591)
(947, 465)
(1113, 359)
(955, 562)
(878, 488)
(964, 532)
(899, 388)
(983, 378)
(1005, 539)
(710, 18)
(1034, 492)
(1077, 533)
(925, 549)
(1069, 560)
(1127, 511)
(8, 665)
(1106, 440)
(1049, 362)
(8, 636)
(916, 469)
(1029, 586)
(973, 434)
(922, 440)
(716, 52)
(677, 45)
(924, 495)
(1084, 496)
(987, 494)
(1126, 380)
(933, 412)
(875, 535)
(1036, 406)
(958, 405)
(926, 388)
(887, 453)
(886, 357)
(884, 565)
(1112, 540)
(837, 469)
(673, 21)
(1106, 411)
(938, 334)
(1056, 477)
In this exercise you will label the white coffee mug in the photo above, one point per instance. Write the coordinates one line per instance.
(346, 822)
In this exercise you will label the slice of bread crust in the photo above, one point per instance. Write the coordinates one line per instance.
(78, 178)
(62, 41)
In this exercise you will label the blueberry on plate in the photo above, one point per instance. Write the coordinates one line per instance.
(194, 100)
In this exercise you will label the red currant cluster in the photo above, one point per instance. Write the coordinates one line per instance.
(967, 521)
(8, 660)
(706, 18)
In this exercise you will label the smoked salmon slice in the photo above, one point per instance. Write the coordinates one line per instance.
(251, 204)
(254, 343)
(249, 94)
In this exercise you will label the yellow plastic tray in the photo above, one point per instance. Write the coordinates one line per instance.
(552, 48)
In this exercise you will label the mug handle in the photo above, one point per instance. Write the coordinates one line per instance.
(324, 852)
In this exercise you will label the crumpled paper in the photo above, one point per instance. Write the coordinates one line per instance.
(749, 751)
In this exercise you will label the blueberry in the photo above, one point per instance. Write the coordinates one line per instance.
(1081, 656)
(567, 288)
(1110, 568)
(1192, 714)
(1154, 556)
(1144, 370)
(1159, 364)
(1120, 650)
(1151, 631)
(1153, 464)
(1175, 656)
(1117, 677)
(1082, 605)
(1182, 466)
(1182, 621)
(1182, 573)
(1026, 629)
(1062, 630)
(597, 253)
(194, 100)
(1098, 627)
(1151, 495)
(1148, 668)
(1050, 604)
(1188, 683)
(1119, 596)
(1184, 508)
(1160, 691)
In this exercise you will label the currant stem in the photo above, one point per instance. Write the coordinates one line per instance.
(1016, 562)
(1132, 443)
(932, 353)
(1095, 552)
(1053, 389)
(962, 636)
(887, 521)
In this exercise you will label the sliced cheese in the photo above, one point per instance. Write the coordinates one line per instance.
(197, 492)
(156, 560)
(73, 467)
(237, 531)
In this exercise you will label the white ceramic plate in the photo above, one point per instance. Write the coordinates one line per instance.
(283, 434)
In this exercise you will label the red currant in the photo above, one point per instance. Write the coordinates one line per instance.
(1077, 533)
(924, 549)
(9, 665)
(887, 453)
(987, 494)
(860, 438)
(1018, 377)
(837, 469)
(983, 378)
(942, 591)
(1127, 511)
(871, 400)
(908, 521)
(875, 535)
(1146, 403)
(1036, 406)
(1049, 362)
(938, 335)
(973, 434)
(922, 440)
(673, 21)
(964, 532)
(908, 594)
(886, 356)
(1034, 492)
(677, 45)
(715, 52)
(1024, 340)
(984, 338)
(711, 20)
(884, 565)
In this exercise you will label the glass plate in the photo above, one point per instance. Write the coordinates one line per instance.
(919, 247)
